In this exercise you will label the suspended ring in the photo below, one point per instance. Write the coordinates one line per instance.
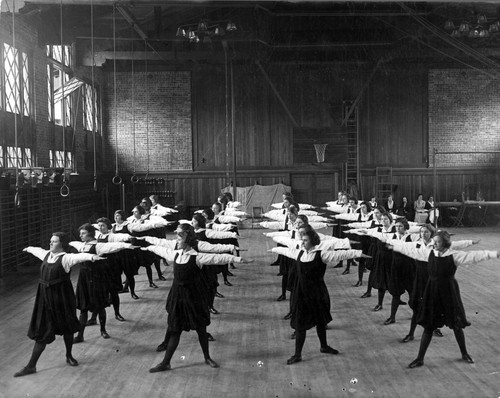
(17, 199)
(64, 191)
(117, 180)
(134, 179)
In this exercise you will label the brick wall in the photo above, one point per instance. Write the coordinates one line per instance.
(162, 136)
(463, 116)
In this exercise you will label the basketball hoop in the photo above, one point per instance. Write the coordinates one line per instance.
(320, 152)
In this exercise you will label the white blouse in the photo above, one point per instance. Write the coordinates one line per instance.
(201, 258)
(68, 261)
(326, 255)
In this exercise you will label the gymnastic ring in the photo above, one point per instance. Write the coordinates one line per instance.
(17, 200)
(134, 179)
(64, 191)
(117, 180)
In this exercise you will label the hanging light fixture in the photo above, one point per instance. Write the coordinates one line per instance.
(481, 19)
(202, 26)
(449, 25)
(205, 30)
(231, 27)
(464, 27)
(181, 32)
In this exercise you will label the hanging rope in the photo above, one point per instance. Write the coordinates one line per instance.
(116, 179)
(64, 191)
(134, 179)
(94, 116)
(147, 105)
(19, 178)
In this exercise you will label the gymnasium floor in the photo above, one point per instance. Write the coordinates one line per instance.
(252, 341)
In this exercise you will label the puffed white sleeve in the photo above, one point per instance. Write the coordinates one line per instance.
(119, 237)
(329, 256)
(410, 249)
(111, 247)
(38, 252)
(473, 256)
(70, 260)
(461, 244)
(206, 247)
(288, 242)
(216, 259)
(220, 234)
(335, 244)
(76, 245)
(272, 225)
(222, 227)
(287, 252)
(164, 252)
(285, 234)
(169, 243)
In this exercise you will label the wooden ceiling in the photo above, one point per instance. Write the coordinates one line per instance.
(269, 31)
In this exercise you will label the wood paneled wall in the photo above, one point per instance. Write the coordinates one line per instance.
(393, 112)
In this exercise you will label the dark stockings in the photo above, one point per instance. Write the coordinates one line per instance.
(284, 283)
(172, 339)
(130, 283)
(157, 264)
(424, 344)
(395, 305)
(115, 301)
(413, 324)
(300, 338)
(149, 273)
(361, 269)
(68, 342)
(381, 294)
(37, 351)
(84, 315)
(102, 319)
(459, 335)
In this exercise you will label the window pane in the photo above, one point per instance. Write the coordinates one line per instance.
(26, 85)
(1, 157)
(27, 158)
(49, 91)
(11, 67)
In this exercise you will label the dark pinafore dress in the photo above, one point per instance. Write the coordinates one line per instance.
(186, 303)
(113, 272)
(92, 288)
(292, 270)
(382, 264)
(55, 304)
(419, 283)
(402, 273)
(208, 274)
(127, 258)
(441, 302)
(310, 297)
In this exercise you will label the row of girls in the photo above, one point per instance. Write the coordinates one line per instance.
(105, 251)
(303, 254)
(416, 259)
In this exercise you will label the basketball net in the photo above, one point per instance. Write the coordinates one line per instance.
(320, 152)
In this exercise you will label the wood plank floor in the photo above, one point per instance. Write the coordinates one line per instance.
(252, 342)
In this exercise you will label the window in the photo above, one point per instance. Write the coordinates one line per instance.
(90, 108)
(57, 159)
(16, 93)
(58, 74)
(18, 157)
(1, 157)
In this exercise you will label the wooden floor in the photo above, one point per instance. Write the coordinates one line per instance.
(252, 342)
